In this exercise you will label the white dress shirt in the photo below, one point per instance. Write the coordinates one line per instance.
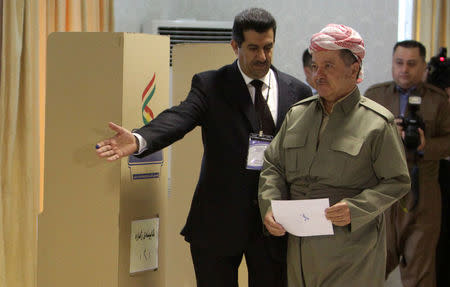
(269, 80)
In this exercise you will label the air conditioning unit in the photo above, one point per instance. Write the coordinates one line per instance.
(190, 31)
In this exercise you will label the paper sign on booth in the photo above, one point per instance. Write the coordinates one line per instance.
(144, 245)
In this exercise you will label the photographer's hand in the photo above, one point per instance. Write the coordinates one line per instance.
(401, 132)
(422, 140)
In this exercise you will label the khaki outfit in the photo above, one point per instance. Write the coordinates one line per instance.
(357, 158)
(413, 235)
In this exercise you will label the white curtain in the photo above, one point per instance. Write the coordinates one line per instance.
(432, 24)
(19, 143)
(24, 28)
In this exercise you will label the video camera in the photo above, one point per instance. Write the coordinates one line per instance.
(439, 70)
(412, 123)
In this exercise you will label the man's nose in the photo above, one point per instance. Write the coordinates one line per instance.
(404, 68)
(261, 55)
(318, 72)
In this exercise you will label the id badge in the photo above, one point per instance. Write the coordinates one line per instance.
(257, 145)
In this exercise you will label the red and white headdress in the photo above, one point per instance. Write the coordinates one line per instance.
(337, 37)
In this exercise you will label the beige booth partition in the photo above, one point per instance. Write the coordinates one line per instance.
(89, 204)
(85, 230)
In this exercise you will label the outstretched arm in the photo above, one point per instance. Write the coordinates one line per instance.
(122, 144)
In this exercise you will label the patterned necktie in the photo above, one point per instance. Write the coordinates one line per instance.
(262, 110)
(404, 96)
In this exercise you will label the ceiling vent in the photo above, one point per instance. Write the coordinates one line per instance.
(191, 31)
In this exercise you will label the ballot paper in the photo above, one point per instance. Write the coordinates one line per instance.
(303, 217)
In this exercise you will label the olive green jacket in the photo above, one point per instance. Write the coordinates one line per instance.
(359, 159)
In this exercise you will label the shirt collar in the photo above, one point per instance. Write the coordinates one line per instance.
(346, 103)
(415, 88)
(400, 90)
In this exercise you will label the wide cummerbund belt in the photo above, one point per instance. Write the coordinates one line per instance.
(335, 194)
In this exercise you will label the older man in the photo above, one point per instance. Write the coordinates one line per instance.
(342, 146)
(414, 223)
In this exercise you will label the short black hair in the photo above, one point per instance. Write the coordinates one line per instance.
(412, 44)
(307, 58)
(252, 19)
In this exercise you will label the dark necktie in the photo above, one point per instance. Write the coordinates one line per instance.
(262, 110)
(404, 96)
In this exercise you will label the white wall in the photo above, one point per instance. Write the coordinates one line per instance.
(297, 20)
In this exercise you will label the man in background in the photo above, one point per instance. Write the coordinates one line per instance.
(414, 222)
(247, 97)
(307, 60)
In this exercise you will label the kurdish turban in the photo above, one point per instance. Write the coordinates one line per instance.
(337, 37)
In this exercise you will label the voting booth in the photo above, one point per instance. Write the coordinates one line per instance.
(103, 224)
(117, 224)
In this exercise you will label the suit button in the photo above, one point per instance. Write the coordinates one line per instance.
(255, 202)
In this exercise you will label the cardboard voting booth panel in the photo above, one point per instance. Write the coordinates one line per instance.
(115, 224)
(96, 212)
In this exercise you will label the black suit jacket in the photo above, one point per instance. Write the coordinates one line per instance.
(224, 214)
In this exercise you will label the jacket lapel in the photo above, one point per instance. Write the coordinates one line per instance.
(394, 101)
(285, 101)
(238, 95)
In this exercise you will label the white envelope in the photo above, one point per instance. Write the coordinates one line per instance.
(303, 217)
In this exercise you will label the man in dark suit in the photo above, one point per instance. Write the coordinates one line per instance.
(223, 223)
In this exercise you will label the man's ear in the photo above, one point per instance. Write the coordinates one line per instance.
(235, 46)
(355, 69)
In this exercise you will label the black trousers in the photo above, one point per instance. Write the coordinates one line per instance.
(222, 271)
